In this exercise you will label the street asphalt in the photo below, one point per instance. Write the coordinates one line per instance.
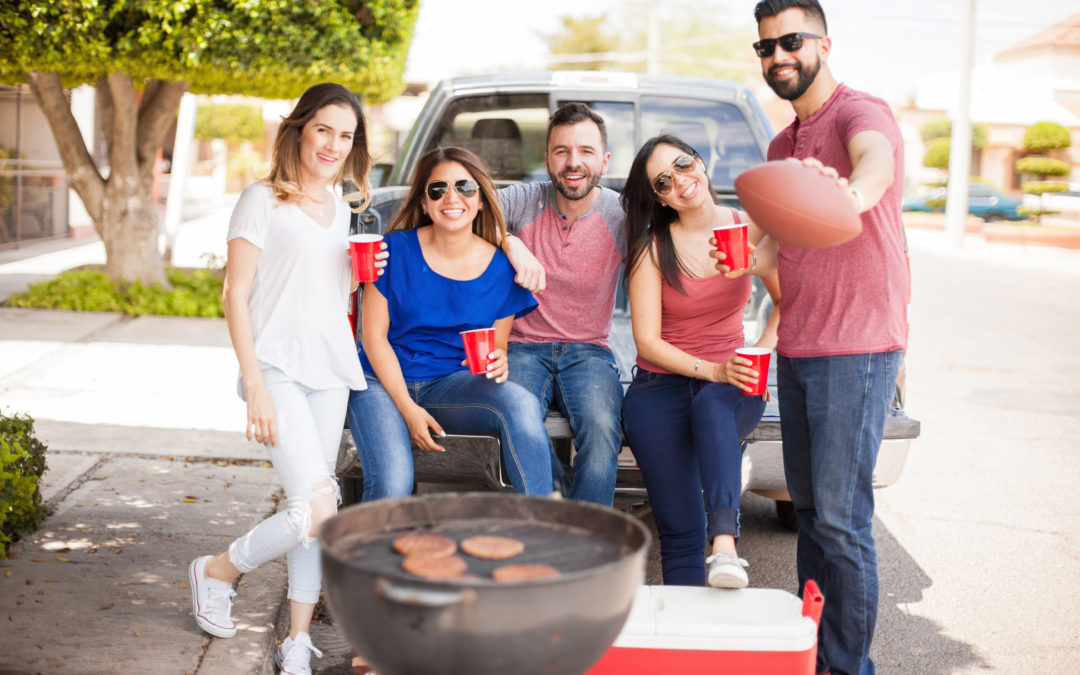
(148, 468)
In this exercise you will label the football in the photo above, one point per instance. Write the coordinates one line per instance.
(797, 205)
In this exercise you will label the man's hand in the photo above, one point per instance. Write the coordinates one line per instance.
(529, 273)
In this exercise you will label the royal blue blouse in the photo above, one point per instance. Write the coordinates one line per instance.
(428, 310)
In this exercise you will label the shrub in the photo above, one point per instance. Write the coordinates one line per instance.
(193, 293)
(936, 129)
(1046, 136)
(1040, 186)
(1042, 166)
(232, 122)
(937, 155)
(22, 463)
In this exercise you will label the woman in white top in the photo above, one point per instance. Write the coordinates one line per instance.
(285, 294)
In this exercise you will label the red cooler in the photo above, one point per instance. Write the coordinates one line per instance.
(687, 630)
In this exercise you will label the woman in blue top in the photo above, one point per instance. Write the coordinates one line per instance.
(449, 274)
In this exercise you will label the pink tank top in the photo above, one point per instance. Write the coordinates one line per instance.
(706, 321)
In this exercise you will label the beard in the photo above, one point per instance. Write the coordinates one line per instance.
(580, 192)
(794, 89)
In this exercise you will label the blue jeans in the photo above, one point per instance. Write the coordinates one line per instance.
(583, 379)
(462, 404)
(832, 417)
(686, 435)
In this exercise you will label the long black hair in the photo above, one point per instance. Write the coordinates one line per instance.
(647, 219)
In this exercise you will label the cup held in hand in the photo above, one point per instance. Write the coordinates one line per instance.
(478, 344)
(732, 242)
(760, 360)
(362, 250)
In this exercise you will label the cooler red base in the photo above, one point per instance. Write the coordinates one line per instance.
(625, 661)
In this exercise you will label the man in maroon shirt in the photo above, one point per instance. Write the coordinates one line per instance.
(843, 327)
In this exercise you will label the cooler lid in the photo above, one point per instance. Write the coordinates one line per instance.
(686, 617)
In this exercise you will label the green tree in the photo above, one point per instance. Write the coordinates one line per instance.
(587, 35)
(1038, 140)
(142, 55)
(232, 122)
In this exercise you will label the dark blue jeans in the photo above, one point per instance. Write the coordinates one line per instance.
(462, 404)
(686, 435)
(583, 379)
(832, 416)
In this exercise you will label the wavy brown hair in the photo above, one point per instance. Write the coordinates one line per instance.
(488, 224)
(284, 176)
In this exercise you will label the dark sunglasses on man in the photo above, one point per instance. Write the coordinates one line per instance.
(790, 43)
(663, 183)
(465, 187)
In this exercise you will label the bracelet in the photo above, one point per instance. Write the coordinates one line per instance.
(753, 256)
(858, 197)
(696, 364)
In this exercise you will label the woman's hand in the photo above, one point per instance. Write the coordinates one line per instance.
(381, 258)
(261, 422)
(737, 371)
(719, 256)
(419, 421)
(498, 367)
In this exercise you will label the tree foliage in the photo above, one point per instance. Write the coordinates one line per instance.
(268, 48)
(1042, 166)
(585, 35)
(943, 129)
(233, 122)
(937, 154)
(1046, 136)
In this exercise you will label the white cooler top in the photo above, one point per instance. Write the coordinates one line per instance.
(746, 620)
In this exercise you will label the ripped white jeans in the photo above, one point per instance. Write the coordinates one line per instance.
(309, 424)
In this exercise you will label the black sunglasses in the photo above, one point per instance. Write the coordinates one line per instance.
(790, 43)
(664, 182)
(465, 187)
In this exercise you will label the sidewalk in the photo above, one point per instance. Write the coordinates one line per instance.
(147, 469)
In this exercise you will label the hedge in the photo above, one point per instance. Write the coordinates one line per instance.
(22, 463)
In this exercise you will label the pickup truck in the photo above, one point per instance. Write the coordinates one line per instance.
(503, 118)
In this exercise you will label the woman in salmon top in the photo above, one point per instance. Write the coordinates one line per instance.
(686, 411)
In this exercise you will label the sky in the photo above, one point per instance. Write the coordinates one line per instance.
(880, 46)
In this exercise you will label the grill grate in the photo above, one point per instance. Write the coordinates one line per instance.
(566, 548)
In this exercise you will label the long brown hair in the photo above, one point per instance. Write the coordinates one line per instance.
(284, 176)
(488, 224)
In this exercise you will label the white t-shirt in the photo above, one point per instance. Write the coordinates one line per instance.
(299, 298)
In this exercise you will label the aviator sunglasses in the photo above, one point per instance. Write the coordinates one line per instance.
(465, 187)
(664, 182)
(790, 43)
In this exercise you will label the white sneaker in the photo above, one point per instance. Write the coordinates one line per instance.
(211, 600)
(727, 571)
(294, 655)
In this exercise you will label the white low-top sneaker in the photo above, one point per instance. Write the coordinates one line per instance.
(727, 571)
(211, 600)
(294, 655)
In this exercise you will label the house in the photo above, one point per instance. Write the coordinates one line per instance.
(1035, 80)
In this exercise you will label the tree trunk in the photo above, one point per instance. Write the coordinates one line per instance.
(121, 205)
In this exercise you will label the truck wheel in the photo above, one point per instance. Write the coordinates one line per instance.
(785, 513)
(994, 217)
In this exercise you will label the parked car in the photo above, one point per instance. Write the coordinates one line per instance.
(1066, 203)
(983, 201)
(503, 118)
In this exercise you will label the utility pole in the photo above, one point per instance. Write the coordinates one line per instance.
(652, 39)
(956, 206)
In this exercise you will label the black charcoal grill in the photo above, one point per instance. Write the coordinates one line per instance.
(404, 625)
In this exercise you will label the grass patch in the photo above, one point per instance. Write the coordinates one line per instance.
(194, 293)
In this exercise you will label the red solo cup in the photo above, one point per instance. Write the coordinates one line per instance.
(478, 344)
(760, 359)
(732, 242)
(362, 250)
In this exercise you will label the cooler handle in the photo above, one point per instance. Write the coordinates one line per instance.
(813, 602)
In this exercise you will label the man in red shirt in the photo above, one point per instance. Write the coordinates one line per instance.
(843, 326)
